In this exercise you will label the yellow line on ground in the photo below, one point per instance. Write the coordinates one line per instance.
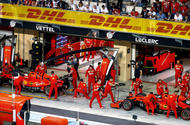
(35, 96)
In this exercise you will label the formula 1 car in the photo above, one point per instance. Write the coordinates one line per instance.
(129, 103)
(41, 82)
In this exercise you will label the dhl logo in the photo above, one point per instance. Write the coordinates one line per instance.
(169, 28)
(48, 15)
(118, 22)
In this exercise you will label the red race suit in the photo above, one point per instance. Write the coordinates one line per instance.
(150, 101)
(178, 72)
(98, 72)
(18, 84)
(137, 85)
(172, 102)
(96, 95)
(53, 80)
(160, 88)
(88, 44)
(81, 89)
(183, 86)
(188, 95)
(41, 69)
(108, 90)
(91, 78)
(186, 78)
(74, 75)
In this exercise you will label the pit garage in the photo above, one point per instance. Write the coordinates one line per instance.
(157, 62)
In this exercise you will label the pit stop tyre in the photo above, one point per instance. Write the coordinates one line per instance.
(46, 91)
(128, 105)
(185, 114)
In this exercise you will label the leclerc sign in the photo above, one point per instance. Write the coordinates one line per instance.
(146, 41)
(94, 21)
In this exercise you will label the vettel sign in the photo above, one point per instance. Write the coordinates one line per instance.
(96, 21)
(44, 28)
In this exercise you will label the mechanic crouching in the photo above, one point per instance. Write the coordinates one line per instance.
(150, 101)
(53, 80)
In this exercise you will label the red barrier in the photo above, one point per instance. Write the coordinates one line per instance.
(49, 120)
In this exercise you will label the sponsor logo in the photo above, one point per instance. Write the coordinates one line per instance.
(45, 28)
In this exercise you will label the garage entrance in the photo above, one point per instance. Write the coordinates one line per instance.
(158, 62)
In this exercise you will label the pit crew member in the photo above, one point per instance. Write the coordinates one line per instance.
(138, 85)
(41, 68)
(107, 90)
(95, 94)
(53, 80)
(90, 73)
(88, 44)
(178, 72)
(81, 89)
(18, 83)
(172, 104)
(150, 101)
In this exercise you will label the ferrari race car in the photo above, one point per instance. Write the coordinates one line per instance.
(41, 82)
(129, 103)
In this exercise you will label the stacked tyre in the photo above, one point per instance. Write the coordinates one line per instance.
(36, 54)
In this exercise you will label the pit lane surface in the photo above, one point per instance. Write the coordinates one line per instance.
(85, 116)
(81, 105)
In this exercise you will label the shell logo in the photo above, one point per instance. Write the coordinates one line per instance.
(165, 106)
(25, 82)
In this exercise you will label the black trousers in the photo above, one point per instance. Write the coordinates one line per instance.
(76, 68)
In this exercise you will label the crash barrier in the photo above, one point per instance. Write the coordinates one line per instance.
(95, 21)
(49, 120)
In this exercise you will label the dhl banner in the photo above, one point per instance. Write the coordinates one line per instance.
(95, 21)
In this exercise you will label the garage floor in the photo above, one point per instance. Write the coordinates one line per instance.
(167, 75)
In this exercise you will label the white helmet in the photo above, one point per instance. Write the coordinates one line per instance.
(42, 63)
